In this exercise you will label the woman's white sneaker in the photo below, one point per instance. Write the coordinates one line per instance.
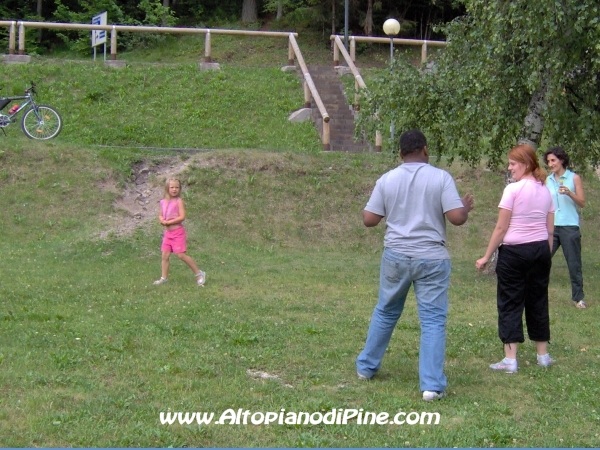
(544, 360)
(507, 365)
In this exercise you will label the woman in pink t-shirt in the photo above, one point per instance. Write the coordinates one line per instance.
(523, 236)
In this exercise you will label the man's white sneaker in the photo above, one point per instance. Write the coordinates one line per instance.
(430, 396)
(506, 365)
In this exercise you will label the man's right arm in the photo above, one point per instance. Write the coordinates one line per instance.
(459, 216)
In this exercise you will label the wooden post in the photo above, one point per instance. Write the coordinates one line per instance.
(113, 44)
(306, 94)
(11, 38)
(21, 39)
(353, 49)
(336, 54)
(207, 48)
(378, 141)
(290, 53)
(326, 143)
(424, 52)
(315, 94)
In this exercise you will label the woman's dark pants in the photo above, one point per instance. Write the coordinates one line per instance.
(523, 275)
(569, 237)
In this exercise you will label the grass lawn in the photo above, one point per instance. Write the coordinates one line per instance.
(91, 352)
(172, 105)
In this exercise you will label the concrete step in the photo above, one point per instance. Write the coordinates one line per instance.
(347, 142)
(350, 149)
(341, 119)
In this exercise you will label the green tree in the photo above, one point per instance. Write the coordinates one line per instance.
(513, 70)
(156, 13)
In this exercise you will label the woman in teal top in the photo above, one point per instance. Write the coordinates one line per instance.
(567, 193)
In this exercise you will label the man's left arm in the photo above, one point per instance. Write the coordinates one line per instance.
(459, 216)
(371, 219)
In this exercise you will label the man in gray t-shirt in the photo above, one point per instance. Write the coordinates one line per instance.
(416, 199)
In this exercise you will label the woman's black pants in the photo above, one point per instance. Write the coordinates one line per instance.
(523, 275)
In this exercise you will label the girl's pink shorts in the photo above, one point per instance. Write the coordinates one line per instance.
(174, 241)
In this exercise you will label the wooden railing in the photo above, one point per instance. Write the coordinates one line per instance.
(358, 82)
(381, 40)
(11, 24)
(21, 26)
(310, 89)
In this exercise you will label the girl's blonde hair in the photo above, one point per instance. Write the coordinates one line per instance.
(525, 154)
(167, 183)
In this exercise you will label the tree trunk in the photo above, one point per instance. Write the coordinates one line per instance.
(279, 10)
(165, 4)
(369, 19)
(39, 13)
(533, 126)
(333, 17)
(531, 134)
(249, 11)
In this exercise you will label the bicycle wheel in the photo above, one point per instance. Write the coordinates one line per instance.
(46, 124)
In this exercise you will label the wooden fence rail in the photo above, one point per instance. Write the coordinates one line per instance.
(381, 40)
(21, 27)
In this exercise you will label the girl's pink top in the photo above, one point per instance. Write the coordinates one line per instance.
(170, 208)
(530, 202)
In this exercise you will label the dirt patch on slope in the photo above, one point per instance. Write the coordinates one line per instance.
(138, 202)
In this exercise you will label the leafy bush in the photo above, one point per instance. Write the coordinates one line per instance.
(151, 13)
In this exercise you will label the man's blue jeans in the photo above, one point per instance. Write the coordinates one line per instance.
(430, 278)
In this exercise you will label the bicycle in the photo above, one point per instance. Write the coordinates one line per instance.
(39, 121)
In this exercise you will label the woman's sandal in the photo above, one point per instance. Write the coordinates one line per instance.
(580, 304)
(201, 278)
(161, 281)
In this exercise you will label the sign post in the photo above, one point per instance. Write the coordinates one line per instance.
(99, 36)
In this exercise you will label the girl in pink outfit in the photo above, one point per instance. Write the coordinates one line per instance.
(171, 216)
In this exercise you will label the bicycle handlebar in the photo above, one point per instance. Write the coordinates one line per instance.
(31, 89)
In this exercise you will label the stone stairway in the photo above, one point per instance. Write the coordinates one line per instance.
(341, 125)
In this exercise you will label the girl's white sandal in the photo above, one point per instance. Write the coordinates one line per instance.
(161, 281)
(201, 278)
